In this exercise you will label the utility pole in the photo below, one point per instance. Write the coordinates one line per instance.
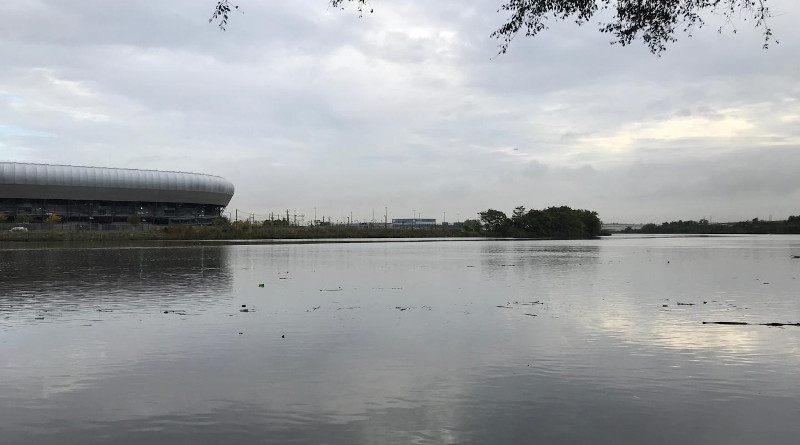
(385, 217)
(444, 218)
(237, 214)
(315, 216)
(287, 217)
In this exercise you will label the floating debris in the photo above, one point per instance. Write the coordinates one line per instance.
(685, 304)
(105, 310)
(261, 285)
(532, 315)
(244, 310)
(743, 323)
(175, 312)
(348, 308)
(331, 290)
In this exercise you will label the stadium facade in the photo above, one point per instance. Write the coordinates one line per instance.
(110, 195)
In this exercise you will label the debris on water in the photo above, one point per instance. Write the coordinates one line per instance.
(105, 310)
(244, 305)
(175, 312)
(504, 307)
(244, 310)
(241, 333)
(282, 278)
(331, 290)
(742, 323)
(765, 283)
(532, 315)
(261, 285)
(685, 304)
(38, 318)
(705, 302)
(397, 288)
(348, 308)
(667, 262)
(664, 305)
(795, 256)
(283, 336)
(314, 308)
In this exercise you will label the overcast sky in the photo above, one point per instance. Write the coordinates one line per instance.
(302, 106)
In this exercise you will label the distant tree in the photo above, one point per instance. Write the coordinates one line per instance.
(277, 222)
(23, 218)
(3, 218)
(518, 217)
(52, 218)
(649, 228)
(134, 219)
(220, 221)
(494, 220)
(653, 22)
(471, 225)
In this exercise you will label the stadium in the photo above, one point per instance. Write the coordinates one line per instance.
(98, 195)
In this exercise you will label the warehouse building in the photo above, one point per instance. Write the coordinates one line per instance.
(108, 195)
(413, 222)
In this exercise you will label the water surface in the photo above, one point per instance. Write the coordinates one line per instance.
(402, 342)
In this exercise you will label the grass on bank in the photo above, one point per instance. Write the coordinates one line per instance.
(237, 231)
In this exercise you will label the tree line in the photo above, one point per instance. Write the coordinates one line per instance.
(552, 222)
(703, 227)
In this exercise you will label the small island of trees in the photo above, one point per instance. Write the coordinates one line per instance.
(553, 222)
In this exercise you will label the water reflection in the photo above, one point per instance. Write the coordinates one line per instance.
(50, 281)
(439, 342)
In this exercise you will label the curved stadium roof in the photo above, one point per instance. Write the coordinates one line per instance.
(43, 181)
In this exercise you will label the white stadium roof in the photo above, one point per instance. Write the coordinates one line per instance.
(44, 181)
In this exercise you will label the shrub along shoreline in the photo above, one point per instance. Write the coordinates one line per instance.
(551, 223)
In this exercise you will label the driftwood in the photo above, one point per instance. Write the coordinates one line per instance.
(742, 323)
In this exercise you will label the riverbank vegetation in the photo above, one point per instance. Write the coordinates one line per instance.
(703, 227)
(554, 222)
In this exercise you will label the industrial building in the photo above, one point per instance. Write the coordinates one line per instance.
(108, 195)
(413, 222)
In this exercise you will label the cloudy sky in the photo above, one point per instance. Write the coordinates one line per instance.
(303, 106)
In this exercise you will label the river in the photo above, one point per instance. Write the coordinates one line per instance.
(468, 341)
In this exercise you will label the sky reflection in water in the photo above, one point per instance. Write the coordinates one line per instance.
(443, 342)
